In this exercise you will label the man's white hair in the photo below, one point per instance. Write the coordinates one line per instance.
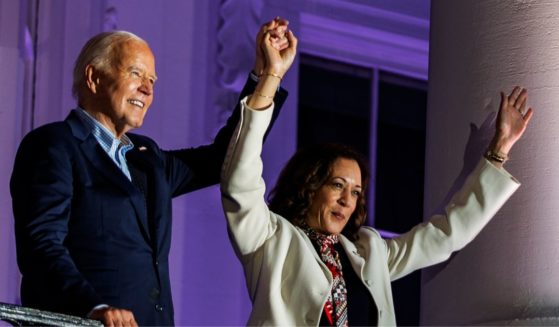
(98, 52)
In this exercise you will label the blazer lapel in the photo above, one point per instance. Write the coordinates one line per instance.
(357, 261)
(104, 165)
(141, 160)
(311, 248)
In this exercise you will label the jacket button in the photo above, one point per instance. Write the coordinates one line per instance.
(154, 294)
(158, 308)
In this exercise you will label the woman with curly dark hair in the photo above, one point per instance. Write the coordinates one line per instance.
(305, 174)
(307, 258)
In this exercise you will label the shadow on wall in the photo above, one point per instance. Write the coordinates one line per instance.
(476, 145)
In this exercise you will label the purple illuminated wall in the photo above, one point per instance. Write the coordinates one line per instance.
(10, 93)
(203, 49)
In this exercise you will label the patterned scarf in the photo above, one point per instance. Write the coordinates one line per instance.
(335, 307)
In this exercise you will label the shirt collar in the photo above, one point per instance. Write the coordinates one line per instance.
(108, 141)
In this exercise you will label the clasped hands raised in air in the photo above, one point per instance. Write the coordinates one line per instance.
(275, 48)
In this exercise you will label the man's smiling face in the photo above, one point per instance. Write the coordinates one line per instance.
(126, 89)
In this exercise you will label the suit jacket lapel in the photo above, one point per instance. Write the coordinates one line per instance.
(104, 165)
(140, 159)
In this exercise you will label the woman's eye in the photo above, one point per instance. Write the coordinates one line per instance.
(337, 185)
(136, 73)
(356, 193)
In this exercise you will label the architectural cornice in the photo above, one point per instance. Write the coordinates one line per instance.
(366, 36)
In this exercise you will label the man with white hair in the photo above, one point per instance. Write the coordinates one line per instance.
(92, 202)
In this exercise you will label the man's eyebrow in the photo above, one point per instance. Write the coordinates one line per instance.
(131, 68)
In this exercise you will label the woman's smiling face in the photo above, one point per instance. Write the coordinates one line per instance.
(335, 201)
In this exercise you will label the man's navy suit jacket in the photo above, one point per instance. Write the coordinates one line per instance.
(86, 235)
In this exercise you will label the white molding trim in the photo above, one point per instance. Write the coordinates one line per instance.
(364, 43)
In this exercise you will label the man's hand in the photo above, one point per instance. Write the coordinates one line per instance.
(114, 317)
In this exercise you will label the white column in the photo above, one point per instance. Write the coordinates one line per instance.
(509, 273)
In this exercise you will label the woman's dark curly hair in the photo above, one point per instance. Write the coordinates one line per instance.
(304, 175)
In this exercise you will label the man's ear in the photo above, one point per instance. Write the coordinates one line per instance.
(92, 78)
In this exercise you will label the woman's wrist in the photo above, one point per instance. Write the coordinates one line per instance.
(271, 70)
(496, 157)
(264, 92)
(268, 83)
(498, 151)
(278, 76)
(499, 146)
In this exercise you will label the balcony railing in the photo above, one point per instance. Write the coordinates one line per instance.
(22, 316)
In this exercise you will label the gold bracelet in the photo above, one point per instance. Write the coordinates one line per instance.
(496, 156)
(263, 95)
(272, 74)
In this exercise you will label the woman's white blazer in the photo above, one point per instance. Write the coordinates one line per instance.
(286, 280)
